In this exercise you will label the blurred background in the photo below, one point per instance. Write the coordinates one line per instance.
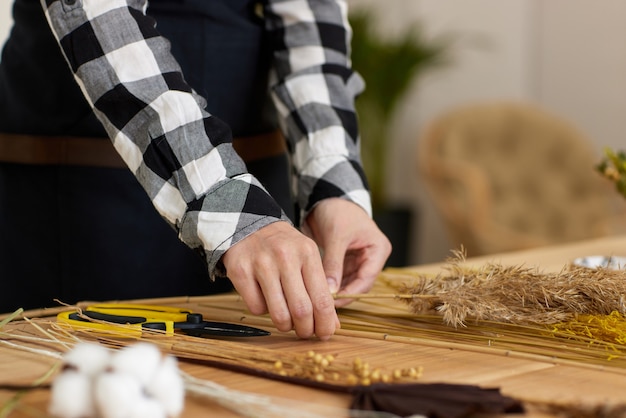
(565, 56)
(522, 73)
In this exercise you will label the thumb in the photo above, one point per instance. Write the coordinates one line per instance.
(332, 261)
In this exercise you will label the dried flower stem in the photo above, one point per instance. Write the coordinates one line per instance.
(359, 296)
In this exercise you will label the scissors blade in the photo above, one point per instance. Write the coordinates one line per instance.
(211, 328)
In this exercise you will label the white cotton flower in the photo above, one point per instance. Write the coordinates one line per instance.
(116, 394)
(140, 360)
(87, 358)
(134, 382)
(167, 387)
(71, 396)
(147, 408)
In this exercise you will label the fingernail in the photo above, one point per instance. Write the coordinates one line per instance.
(332, 285)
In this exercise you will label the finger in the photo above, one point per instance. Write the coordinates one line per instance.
(246, 285)
(253, 297)
(364, 274)
(332, 260)
(299, 303)
(268, 275)
(325, 316)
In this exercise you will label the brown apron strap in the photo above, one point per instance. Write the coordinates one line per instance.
(33, 149)
(99, 152)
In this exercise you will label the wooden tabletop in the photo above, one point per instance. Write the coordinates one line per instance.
(520, 375)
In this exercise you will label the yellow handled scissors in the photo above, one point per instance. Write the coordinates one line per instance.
(170, 320)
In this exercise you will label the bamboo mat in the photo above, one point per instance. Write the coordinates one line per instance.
(521, 375)
(23, 368)
(536, 380)
(518, 374)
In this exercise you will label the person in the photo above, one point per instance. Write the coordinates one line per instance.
(170, 83)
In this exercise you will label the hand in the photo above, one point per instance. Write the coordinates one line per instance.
(354, 249)
(279, 270)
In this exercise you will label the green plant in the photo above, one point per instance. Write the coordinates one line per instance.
(388, 67)
(613, 167)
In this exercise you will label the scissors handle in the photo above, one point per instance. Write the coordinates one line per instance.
(75, 321)
(156, 312)
(134, 318)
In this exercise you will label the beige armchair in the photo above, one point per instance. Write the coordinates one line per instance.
(508, 176)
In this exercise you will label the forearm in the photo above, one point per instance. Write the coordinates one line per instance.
(182, 156)
(314, 93)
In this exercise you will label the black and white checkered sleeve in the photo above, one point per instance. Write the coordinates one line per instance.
(182, 156)
(314, 94)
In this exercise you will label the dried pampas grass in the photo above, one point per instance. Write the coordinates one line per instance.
(514, 294)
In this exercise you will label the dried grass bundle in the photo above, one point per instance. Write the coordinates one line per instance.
(514, 294)
(608, 328)
(31, 337)
(307, 368)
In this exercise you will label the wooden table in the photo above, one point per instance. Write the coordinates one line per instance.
(522, 377)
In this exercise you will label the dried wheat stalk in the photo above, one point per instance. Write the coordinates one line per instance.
(514, 294)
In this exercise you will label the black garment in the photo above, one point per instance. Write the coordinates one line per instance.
(77, 233)
(38, 94)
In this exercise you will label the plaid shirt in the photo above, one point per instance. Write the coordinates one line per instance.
(182, 156)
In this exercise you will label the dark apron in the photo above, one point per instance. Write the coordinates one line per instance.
(76, 233)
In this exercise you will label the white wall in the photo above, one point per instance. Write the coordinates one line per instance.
(582, 71)
(5, 19)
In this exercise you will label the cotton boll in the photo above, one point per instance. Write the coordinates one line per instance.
(115, 394)
(71, 392)
(140, 361)
(147, 408)
(71, 396)
(87, 358)
(167, 387)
